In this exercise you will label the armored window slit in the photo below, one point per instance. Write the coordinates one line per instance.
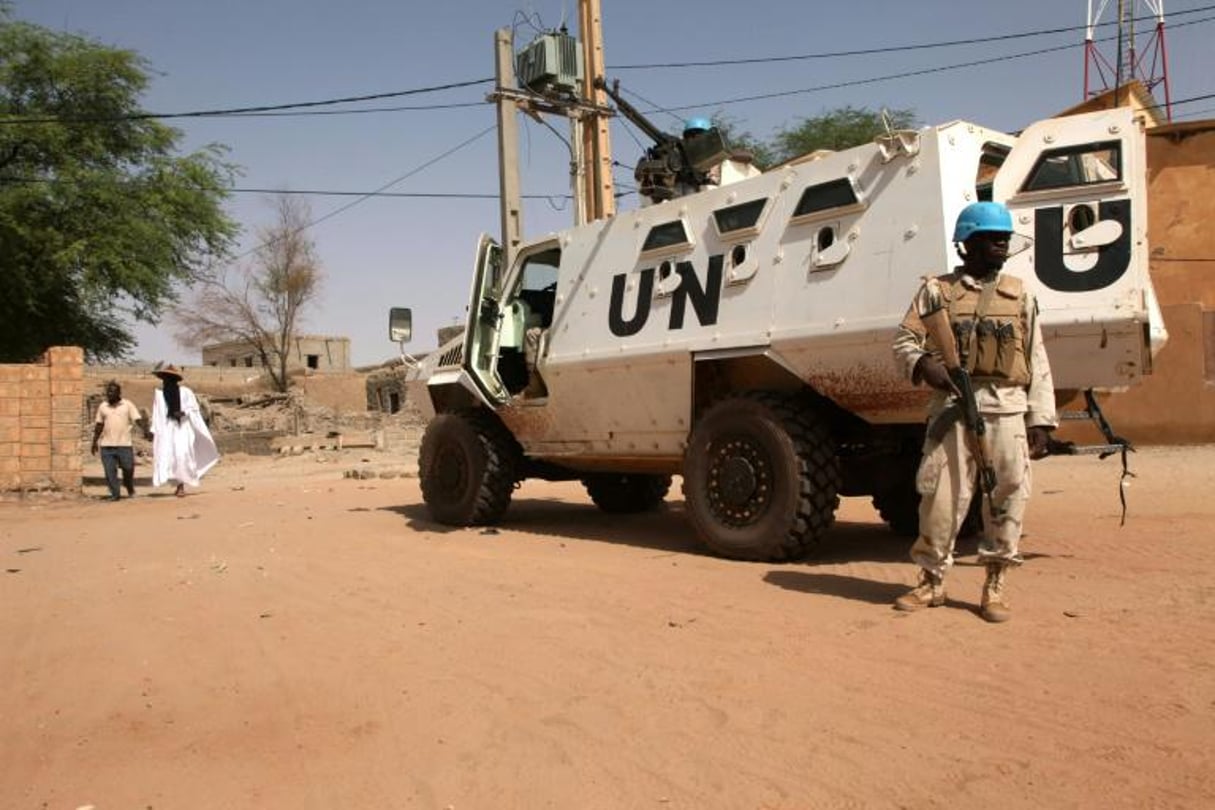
(1082, 165)
(667, 235)
(739, 220)
(826, 196)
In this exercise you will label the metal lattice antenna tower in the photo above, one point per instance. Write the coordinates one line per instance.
(1148, 64)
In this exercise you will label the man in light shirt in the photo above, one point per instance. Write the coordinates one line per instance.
(116, 417)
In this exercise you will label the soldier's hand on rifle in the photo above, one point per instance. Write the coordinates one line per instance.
(933, 372)
(1039, 442)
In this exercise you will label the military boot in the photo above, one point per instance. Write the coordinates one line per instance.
(995, 603)
(929, 593)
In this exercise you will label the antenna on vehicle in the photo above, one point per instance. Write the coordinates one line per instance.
(887, 121)
(896, 142)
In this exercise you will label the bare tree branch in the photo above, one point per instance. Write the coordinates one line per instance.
(259, 304)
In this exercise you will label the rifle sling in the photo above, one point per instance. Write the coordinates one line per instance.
(943, 421)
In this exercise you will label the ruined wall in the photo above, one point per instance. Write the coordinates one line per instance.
(343, 393)
(386, 389)
(138, 383)
(41, 408)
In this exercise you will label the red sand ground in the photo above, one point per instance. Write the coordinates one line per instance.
(289, 639)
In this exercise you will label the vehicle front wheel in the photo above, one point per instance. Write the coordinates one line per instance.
(627, 493)
(466, 467)
(761, 478)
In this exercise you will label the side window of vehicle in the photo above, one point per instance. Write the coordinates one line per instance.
(827, 196)
(990, 161)
(538, 284)
(1076, 166)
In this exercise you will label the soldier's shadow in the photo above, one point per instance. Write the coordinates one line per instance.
(839, 585)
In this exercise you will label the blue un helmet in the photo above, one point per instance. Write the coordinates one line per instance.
(981, 217)
(695, 126)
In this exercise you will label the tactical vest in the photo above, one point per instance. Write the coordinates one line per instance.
(992, 334)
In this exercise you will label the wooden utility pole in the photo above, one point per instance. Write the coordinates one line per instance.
(596, 141)
(508, 146)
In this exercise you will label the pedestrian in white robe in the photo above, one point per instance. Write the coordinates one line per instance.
(182, 448)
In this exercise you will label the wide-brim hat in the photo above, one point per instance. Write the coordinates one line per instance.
(168, 370)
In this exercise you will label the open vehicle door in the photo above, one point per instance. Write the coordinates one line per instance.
(482, 334)
(1077, 186)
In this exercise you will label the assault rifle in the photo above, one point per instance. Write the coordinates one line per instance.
(936, 323)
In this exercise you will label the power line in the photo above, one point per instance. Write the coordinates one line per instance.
(1192, 99)
(434, 195)
(235, 111)
(462, 195)
(655, 107)
(364, 197)
(312, 192)
(903, 75)
(270, 110)
(361, 110)
(887, 49)
(871, 80)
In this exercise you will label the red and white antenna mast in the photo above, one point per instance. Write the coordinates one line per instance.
(1149, 65)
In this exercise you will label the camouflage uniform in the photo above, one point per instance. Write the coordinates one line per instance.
(1000, 340)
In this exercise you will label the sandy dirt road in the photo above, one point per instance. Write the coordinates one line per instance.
(290, 639)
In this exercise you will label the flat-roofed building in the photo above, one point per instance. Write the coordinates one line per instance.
(319, 353)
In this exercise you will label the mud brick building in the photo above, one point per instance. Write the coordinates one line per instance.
(320, 353)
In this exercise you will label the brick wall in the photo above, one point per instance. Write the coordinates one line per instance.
(40, 422)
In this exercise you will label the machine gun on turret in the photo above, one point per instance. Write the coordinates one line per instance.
(673, 166)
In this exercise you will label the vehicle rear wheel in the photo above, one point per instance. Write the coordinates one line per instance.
(899, 506)
(627, 493)
(761, 478)
(466, 467)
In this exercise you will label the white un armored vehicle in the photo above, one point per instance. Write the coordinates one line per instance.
(740, 335)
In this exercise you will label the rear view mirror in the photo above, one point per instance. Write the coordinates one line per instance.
(400, 324)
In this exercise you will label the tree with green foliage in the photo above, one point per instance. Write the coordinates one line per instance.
(101, 221)
(741, 140)
(841, 128)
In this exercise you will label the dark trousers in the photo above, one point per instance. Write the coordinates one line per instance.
(113, 458)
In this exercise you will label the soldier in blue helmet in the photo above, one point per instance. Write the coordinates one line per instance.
(696, 126)
(993, 322)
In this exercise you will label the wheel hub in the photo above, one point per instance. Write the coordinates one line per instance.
(737, 479)
(740, 481)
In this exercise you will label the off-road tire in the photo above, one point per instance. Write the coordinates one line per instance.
(627, 493)
(900, 508)
(761, 478)
(467, 467)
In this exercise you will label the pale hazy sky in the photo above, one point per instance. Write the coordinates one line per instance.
(417, 251)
